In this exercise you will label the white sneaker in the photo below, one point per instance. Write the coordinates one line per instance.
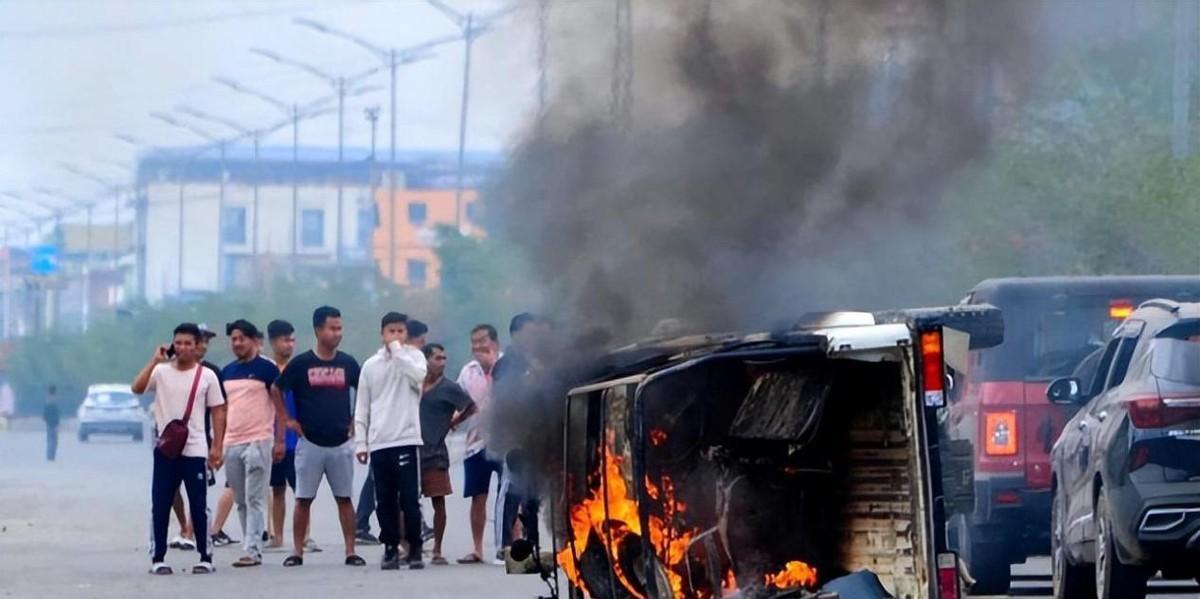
(311, 546)
(181, 543)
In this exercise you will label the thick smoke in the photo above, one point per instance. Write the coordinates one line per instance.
(770, 142)
(779, 157)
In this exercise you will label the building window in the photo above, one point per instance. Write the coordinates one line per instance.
(417, 213)
(417, 273)
(368, 219)
(312, 228)
(233, 225)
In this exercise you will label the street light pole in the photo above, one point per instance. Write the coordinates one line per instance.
(391, 58)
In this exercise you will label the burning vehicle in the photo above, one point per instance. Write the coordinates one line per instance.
(769, 465)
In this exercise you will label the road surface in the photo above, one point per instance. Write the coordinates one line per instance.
(77, 528)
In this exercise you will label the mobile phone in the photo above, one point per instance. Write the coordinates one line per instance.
(170, 350)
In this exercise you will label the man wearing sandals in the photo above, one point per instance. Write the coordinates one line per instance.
(175, 384)
(320, 381)
(253, 442)
(387, 431)
(444, 405)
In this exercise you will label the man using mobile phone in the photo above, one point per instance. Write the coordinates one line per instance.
(176, 384)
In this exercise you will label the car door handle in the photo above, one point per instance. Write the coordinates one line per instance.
(1101, 416)
(1083, 426)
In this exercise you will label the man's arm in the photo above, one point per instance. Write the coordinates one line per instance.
(216, 455)
(142, 380)
(282, 415)
(362, 418)
(462, 415)
(406, 361)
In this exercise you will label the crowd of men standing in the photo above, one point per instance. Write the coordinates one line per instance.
(296, 420)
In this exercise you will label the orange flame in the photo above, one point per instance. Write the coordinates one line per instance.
(620, 519)
(794, 574)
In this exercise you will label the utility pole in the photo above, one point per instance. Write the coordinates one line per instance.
(621, 106)
(1185, 46)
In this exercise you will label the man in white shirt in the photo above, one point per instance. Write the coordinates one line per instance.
(478, 467)
(387, 432)
(176, 383)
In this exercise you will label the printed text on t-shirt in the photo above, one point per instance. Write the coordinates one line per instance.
(327, 376)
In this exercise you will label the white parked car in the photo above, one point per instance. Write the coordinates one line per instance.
(111, 409)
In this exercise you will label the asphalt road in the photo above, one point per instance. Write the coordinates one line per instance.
(77, 528)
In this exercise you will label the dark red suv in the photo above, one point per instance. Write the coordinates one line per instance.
(1050, 325)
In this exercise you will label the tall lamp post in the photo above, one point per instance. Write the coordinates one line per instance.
(254, 135)
(339, 84)
(392, 59)
(471, 28)
(296, 113)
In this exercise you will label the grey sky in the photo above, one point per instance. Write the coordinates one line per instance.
(76, 72)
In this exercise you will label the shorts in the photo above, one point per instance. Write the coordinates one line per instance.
(283, 474)
(477, 474)
(336, 464)
(435, 482)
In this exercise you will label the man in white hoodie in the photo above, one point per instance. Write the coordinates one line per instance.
(387, 431)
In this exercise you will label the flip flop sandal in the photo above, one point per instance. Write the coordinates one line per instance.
(470, 559)
(203, 568)
(293, 561)
(247, 561)
(161, 569)
(439, 561)
(354, 560)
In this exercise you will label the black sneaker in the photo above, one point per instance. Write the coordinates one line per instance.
(426, 532)
(391, 558)
(220, 539)
(416, 564)
(363, 537)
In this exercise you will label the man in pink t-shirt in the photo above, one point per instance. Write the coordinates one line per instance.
(478, 467)
(253, 435)
(172, 381)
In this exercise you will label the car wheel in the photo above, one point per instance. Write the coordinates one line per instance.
(1114, 580)
(1071, 581)
(137, 437)
(83, 436)
(987, 563)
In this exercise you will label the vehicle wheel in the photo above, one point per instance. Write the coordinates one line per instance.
(987, 563)
(137, 437)
(1114, 580)
(1071, 581)
(83, 436)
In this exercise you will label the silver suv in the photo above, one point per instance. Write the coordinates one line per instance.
(111, 409)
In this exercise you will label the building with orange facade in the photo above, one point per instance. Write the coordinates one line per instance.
(412, 221)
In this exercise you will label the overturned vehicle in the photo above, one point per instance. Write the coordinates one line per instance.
(804, 463)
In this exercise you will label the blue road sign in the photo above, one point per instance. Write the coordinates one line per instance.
(43, 259)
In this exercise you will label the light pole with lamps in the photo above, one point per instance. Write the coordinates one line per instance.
(392, 59)
(339, 84)
(471, 28)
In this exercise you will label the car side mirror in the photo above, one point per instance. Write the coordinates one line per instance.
(1065, 391)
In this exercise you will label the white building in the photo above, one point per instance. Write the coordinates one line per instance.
(184, 208)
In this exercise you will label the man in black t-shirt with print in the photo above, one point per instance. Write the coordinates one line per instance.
(320, 382)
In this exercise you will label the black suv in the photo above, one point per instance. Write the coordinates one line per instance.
(1126, 469)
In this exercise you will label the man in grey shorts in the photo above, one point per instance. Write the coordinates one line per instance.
(320, 382)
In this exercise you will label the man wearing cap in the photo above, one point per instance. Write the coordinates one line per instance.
(253, 435)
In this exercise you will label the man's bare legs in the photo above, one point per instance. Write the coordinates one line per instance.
(439, 524)
(300, 517)
(278, 514)
(478, 522)
(346, 516)
(185, 527)
(224, 507)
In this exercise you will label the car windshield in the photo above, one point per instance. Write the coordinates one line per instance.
(1064, 337)
(113, 399)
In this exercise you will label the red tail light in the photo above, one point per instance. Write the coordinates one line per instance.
(947, 576)
(933, 369)
(1153, 411)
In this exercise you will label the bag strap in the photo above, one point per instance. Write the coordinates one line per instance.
(187, 415)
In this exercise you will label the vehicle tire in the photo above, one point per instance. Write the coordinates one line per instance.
(1114, 580)
(137, 437)
(987, 563)
(1070, 581)
(83, 436)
